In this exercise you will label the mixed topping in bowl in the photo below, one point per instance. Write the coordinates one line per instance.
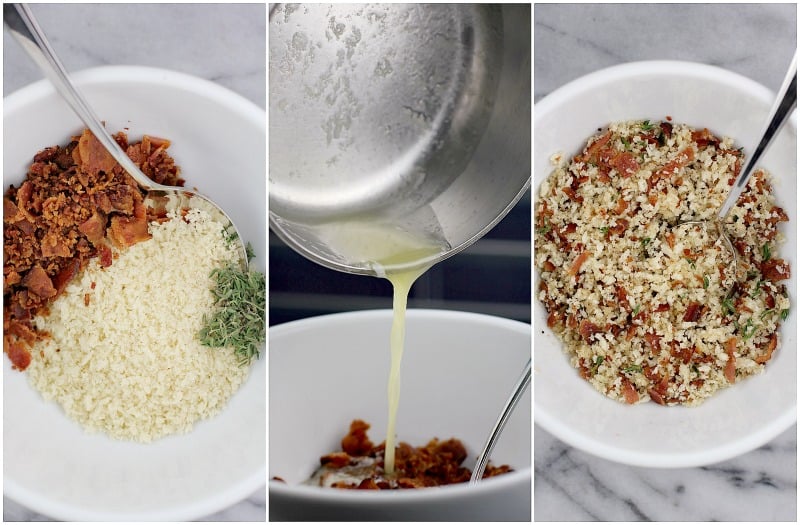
(360, 464)
(650, 308)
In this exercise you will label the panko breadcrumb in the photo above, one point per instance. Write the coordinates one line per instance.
(122, 356)
(649, 308)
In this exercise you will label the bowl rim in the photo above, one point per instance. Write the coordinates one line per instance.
(550, 422)
(499, 483)
(243, 108)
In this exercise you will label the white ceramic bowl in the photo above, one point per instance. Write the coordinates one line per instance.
(738, 419)
(50, 464)
(458, 370)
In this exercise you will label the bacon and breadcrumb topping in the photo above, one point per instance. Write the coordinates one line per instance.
(649, 308)
(360, 464)
(76, 203)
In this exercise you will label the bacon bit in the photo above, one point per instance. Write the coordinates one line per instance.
(769, 300)
(572, 321)
(583, 370)
(693, 313)
(569, 228)
(656, 396)
(577, 181)
(779, 215)
(730, 366)
(666, 128)
(775, 270)
(572, 195)
(661, 308)
(104, 253)
(630, 332)
(38, 282)
(672, 167)
(704, 138)
(652, 199)
(629, 392)
(593, 151)
(653, 341)
(625, 163)
(587, 330)
(86, 299)
(93, 285)
(771, 345)
(555, 318)
(619, 227)
(622, 296)
(335, 459)
(669, 118)
(622, 205)
(670, 238)
(578, 262)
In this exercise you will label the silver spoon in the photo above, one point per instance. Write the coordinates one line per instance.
(785, 103)
(26, 30)
(511, 403)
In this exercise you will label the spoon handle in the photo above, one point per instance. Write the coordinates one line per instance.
(781, 109)
(519, 389)
(26, 30)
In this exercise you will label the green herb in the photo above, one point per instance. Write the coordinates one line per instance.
(598, 360)
(636, 310)
(784, 314)
(632, 368)
(544, 229)
(748, 330)
(646, 126)
(765, 313)
(766, 253)
(239, 319)
(695, 369)
(757, 289)
(626, 142)
(645, 241)
(752, 274)
(735, 218)
(705, 281)
(727, 306)
(604, 229)
(691, 262)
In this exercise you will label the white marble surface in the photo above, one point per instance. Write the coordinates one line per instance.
(224, 43)
(572, 40)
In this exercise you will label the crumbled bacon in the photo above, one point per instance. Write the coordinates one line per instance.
(587, 330)
(577, 263)
(58, 219)
(772, 343)
(693, 313)
(730, 365)
(775, 270)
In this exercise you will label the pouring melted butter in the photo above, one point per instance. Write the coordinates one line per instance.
(401, 258)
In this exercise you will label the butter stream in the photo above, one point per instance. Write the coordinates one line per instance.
(401, 258)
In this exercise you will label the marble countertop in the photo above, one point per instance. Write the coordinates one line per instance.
(224, 43)
(756, 41)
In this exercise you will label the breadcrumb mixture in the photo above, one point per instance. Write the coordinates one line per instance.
(649, 308)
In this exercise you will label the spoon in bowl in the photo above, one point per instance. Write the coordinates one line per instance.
(26, 30)
(785, 103)
(511, 403)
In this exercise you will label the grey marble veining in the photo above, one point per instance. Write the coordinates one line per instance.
(755, 40)
(224, 43)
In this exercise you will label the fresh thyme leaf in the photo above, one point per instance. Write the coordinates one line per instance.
(604, 229)
(727, 306)
(695, 369)
(646, 126)
(626, 142)
(706, 282)
(784, 314)
(766, 253)
(636, 310)
(248, 248)
(632, 368)
(239, 321)
(765, 313)
(544, 229)
(598, 360)
(748, 330)
(757, 289)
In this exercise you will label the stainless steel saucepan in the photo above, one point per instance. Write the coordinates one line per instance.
(415, 117)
